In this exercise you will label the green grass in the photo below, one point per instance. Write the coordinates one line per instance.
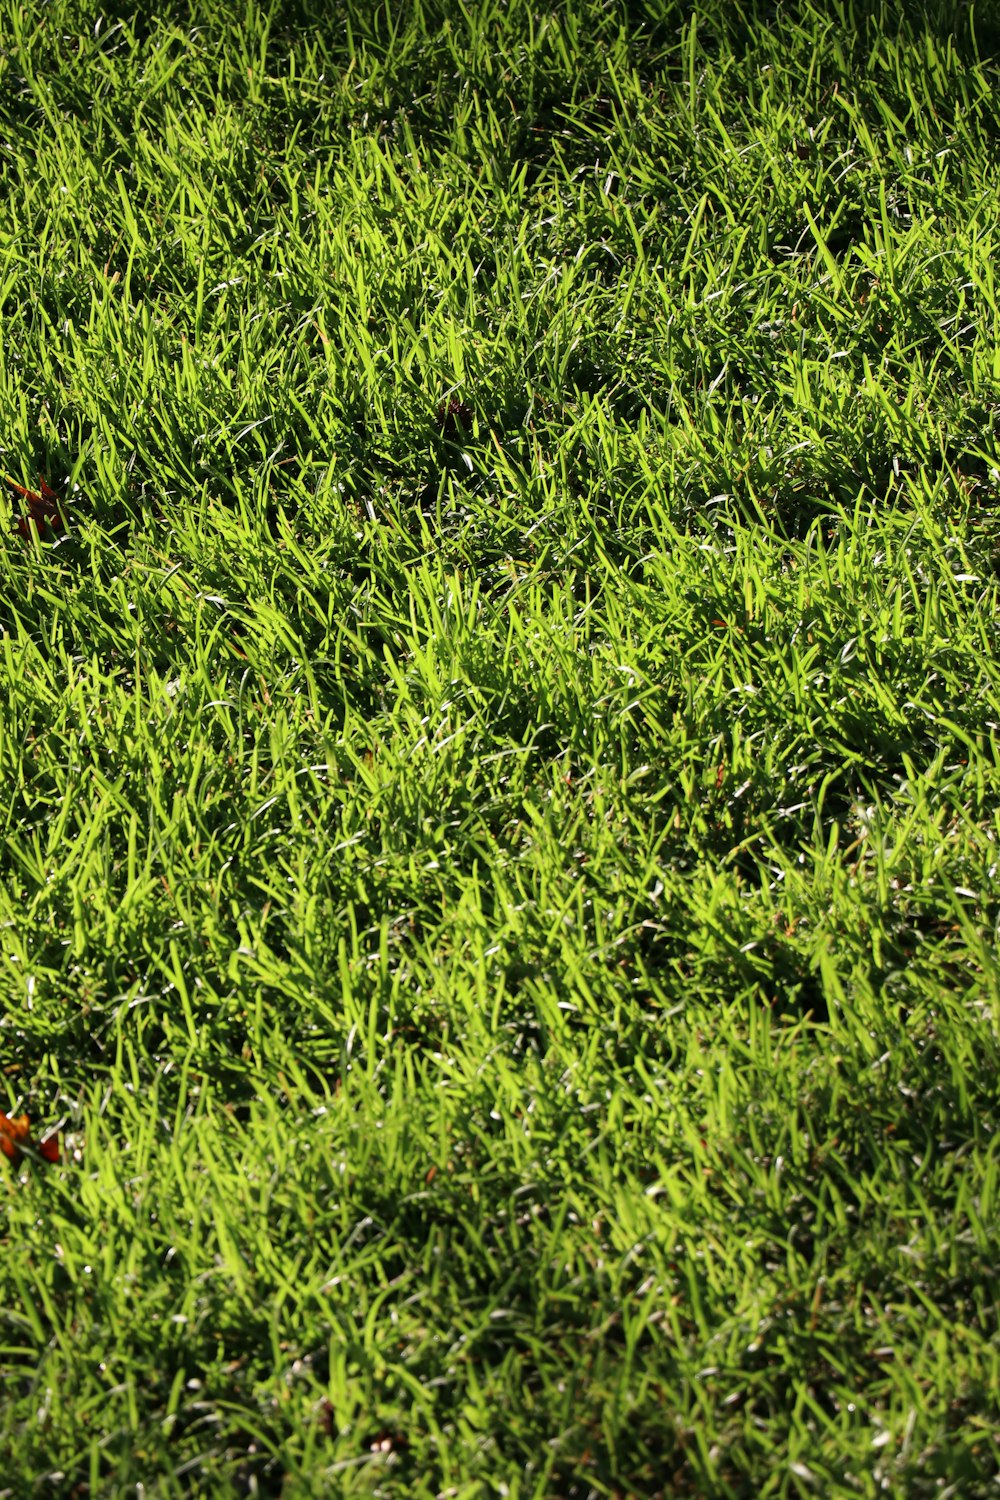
(500, 777)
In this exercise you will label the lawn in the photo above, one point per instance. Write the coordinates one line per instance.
(500, 760)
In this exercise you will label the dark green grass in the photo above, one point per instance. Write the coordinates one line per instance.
(500, 780)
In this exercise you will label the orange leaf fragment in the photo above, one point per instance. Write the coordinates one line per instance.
(48, 1149)
(15, 1132)
(43, 508)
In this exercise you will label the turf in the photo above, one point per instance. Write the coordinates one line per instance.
(499, 772)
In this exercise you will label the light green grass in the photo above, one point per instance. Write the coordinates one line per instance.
(502, 906)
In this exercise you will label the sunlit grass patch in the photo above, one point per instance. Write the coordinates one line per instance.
(499, 770)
